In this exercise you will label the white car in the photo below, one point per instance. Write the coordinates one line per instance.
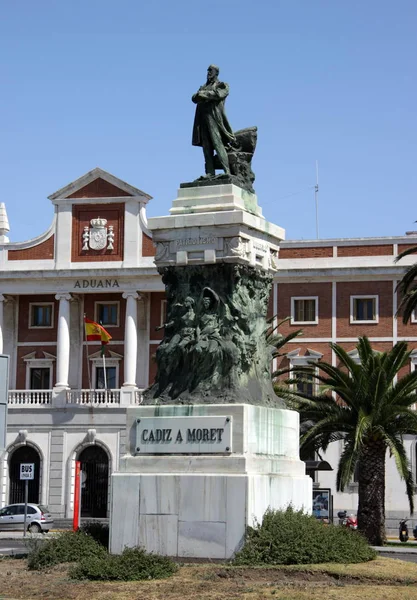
(38, 518)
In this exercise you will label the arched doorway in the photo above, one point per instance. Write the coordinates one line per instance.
(24, 454)
(94, 482)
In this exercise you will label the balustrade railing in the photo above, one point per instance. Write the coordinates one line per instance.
(79, 397)
(93, 397)
(29, 397)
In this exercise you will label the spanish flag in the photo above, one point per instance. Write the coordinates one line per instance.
(95, 332)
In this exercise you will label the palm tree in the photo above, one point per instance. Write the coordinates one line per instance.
(371, 414)
(277, 340)
(408, 287)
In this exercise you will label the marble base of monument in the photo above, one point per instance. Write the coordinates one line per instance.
(181, 491)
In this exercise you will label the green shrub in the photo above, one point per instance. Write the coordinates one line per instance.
(69, 546)
(292, 537)
(133, 564)
(98, 531)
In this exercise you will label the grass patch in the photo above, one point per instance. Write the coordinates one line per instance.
(382, 579)
(292, 537)
(134, 564)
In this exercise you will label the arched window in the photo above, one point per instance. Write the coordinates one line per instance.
(24, 454)
(94, 482)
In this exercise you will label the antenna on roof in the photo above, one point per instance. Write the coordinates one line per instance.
(316, 197)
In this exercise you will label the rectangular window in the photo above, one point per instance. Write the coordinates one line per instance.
(304, 310)
(40, 378)
(111, 378)
(305, 383)
(107, 314)
(364, 309)
(41, 315)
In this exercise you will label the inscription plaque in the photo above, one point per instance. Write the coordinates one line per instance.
(183, 435)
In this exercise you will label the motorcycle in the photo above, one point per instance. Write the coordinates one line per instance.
(403, 530)
(351, 522)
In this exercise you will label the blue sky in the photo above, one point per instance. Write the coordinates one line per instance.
(90, 83)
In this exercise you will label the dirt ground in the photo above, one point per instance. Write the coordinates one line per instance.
(379, 580)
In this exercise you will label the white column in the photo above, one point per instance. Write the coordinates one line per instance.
(2, 299)
(131, 339)
(63, 341)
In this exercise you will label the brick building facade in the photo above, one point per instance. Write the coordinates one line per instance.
(97, 259)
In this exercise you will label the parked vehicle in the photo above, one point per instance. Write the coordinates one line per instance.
(403, 530)
(351, 522)
(415, 532)
(38, 518)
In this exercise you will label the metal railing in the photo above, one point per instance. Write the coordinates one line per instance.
(93, 397)
(29, 397)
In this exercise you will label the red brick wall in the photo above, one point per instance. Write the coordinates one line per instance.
(99, 188)
(148, 249)
(324, 293)
(41, 251)
(81, 217)
(21, 365)
(379, 250)
(316, 252)
(403, 247)
(39, 334)
(410, 329)
(359, 288)
(155, 315)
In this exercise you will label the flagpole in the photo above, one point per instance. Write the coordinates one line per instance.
(105, 374)
(88, 362)
(103, 354)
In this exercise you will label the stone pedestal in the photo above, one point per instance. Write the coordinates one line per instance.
(212, 447)
(198, 505)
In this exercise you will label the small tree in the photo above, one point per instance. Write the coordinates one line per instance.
(371, 414)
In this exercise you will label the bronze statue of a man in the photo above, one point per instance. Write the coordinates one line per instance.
(211, 129)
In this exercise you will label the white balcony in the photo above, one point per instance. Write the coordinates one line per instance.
(30, 397)
(94, 397)
(87, 397)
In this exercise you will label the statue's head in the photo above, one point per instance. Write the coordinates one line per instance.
(189, 302)
(210, 299)
(206, 302)
(212, 72)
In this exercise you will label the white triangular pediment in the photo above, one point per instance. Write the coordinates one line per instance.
(313, 354)
(91, 176)
(29, 356)
(303, 360)
(114, 355)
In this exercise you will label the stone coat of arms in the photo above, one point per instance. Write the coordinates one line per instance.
(98, 236)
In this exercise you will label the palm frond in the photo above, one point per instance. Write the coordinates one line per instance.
(407, 252)
(397, 449)
(347, 464)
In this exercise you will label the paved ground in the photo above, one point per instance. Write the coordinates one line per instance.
(12, 547)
